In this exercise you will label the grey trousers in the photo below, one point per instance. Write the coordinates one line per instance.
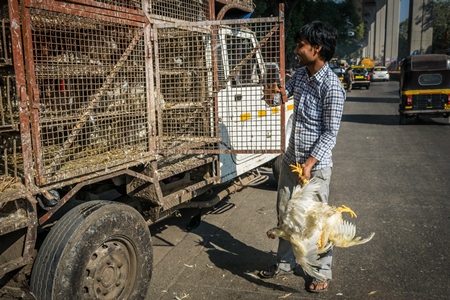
(287, 181)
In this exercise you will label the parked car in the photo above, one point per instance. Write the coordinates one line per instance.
(380, 73)
(362, 77)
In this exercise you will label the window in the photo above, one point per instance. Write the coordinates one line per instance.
(244, 68)
(430, 79)
(359, 71)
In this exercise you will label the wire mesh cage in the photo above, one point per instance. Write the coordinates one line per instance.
(185, 101)
(105, 91)
(92, 93)
(9, 107)
(248, 62)
(11, 164)
(211, 84)
(5, 40)
(186, 10)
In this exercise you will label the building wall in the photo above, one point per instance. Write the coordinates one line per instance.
(392, 23)
(380, 32)
(381, 21)
(420, 26)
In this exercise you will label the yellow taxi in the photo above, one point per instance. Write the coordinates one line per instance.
(362, 77)
(340, 74)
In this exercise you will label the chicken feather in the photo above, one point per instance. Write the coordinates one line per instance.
(313, 227)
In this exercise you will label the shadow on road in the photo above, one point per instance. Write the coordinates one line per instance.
(392, 120)
(240, 259)
(369, 99)
(371, 119)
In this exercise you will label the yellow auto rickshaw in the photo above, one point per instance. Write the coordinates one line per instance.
(424, 86)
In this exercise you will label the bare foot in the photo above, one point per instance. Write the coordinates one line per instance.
(318, 286)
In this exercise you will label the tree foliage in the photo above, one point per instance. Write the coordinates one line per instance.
(340, 15)
(403, 46)
(441, 26)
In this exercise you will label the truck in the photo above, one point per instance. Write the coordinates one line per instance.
(117, 114)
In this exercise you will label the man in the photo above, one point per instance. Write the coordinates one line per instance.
(318, 105)
(350, 78)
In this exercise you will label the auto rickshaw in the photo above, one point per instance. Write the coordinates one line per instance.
(425, 86)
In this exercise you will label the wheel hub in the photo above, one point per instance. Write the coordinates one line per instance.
(109, 272)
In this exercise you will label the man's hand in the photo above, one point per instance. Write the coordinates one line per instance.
(306, 174)
(307, 167)
(269, 93)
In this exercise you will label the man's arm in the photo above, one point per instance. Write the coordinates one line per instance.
(332, 113)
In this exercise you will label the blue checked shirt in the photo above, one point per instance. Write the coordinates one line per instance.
(318, 105)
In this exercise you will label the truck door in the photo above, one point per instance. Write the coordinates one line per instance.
(247, 123)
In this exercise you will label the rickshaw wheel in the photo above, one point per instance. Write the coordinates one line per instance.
(402, 119)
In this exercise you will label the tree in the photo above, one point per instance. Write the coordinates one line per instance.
(441, 26)
(266, 8)
(340, 15)
(403, 44)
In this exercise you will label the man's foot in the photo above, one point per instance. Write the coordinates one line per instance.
(317, 286)
(274, 271)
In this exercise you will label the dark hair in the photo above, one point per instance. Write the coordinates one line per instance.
(319, 33)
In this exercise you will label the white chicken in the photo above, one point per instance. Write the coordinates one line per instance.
(313, 227)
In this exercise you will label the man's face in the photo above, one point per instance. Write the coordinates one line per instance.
(306, 53)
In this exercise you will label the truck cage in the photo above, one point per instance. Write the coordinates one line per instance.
(95, 89)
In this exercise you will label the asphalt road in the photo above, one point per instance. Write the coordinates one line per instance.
(395, 177)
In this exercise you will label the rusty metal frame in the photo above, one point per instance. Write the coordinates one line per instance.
(282, 77)
(150, 82)
(172, 199)
(87, 181)
(26, 191)
(230, 4)
(90, 8)
(154, 179)
(30, 237)
(19, 67)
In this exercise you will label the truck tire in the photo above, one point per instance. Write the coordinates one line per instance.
(98, 250)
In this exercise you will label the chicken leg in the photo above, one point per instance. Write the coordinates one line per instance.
(344, 208)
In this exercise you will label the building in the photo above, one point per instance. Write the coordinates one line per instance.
(381, 26)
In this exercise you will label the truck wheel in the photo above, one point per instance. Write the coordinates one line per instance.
(367, 87)
(98, 250)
